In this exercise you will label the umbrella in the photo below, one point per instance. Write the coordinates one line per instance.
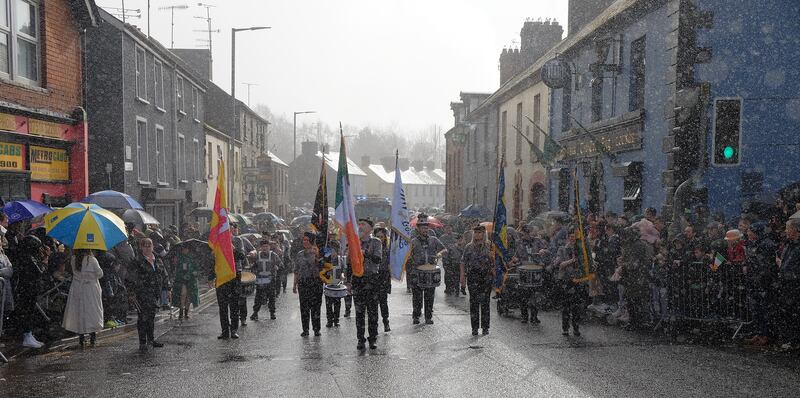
(139, 217)
(474, 211)
(198, 250)
(795, 215)
(113, 200)
(24, 210)
(202, 212)
(85, 226)
(301, 221)
(433, 221)
(239, 219)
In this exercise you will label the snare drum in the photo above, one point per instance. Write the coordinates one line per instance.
(248, 278)
(337, 290)
(531, 275)
(428, 276)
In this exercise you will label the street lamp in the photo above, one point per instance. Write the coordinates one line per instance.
(294, 128)
(233, 55)
(172, 29)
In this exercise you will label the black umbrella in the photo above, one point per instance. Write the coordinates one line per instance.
(199, 251)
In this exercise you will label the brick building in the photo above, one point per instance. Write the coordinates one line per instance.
(43, 125)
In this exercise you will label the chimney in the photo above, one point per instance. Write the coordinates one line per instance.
(430, 165)
(404, 163)
(537, 38)
(417, 165)
(309, 148)
(581, 12)
(365, 162)
(388, 163)
(510, 64)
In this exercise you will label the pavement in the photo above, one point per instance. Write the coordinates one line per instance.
(444, 359)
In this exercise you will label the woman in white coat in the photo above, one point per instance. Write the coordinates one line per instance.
(84, 312)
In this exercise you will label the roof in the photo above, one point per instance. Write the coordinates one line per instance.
(332, 160)
(609, 15)
(276, 159)
(409, 176)
(84, 12)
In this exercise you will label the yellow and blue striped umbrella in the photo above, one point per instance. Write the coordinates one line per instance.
(85, 226)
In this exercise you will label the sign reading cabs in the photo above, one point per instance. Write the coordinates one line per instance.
(11, 156)
(49, 164)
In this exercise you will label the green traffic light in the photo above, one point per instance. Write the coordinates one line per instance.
(728, 152)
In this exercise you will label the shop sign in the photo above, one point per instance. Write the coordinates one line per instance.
(49, 164)
(8, 122)
(619, 139)
(556, 73)
(11, 157)
(47, 129)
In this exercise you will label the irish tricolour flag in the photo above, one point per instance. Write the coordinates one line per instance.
(346, 214)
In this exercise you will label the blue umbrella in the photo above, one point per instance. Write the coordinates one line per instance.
(24, 210)
(85, 226)
(113, 200)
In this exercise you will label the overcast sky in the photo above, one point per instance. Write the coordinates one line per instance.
(364, 62)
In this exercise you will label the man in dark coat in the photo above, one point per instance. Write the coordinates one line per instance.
(367, 286)
(386, 287)
(29, 271)
(790, 286)
(308, 285)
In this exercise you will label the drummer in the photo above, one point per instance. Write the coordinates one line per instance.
(425, 249)
(477, 270)
(268, 262)
(529, 250)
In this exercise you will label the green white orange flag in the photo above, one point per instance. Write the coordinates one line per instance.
(346, 214)
(219, 238)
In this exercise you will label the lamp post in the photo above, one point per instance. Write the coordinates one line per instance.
(235, 124)
(172, 21)
(294, 128)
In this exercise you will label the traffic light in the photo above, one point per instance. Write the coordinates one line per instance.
(727, 131)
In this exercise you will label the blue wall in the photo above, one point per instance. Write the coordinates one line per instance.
(654, 26)
(756, 56)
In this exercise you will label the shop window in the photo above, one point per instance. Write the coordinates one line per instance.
(15, 185)
(564, 189)
(632, 187)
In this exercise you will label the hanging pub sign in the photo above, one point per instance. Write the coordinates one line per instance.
(555, 73)
(11, 157)
(49, 164)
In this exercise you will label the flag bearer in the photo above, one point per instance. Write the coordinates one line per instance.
(308, 285)
(367, 286)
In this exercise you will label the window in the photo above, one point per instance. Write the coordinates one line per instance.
(179, 94)
(158, 84)
(566, 105)
(210, 165)
(142, 163)
(518, 146)
(638, 67)
(181, 158)
(503, 132)
(486, 139)
(597, 99)
(197, 160)
(161, 155)
(195, 103)
(19, 41)
(141, 76)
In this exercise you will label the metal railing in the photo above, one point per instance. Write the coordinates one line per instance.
(701, 293)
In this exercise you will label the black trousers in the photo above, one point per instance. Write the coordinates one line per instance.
(348, 303)
(420, 296)
(365, 298)
(310, 292)
(479, 293)
(571, 306)
(265, 294)
(452, 275)
(383, 305)
(333, 306)
(228, 302)
(526, 301)
(146, 325)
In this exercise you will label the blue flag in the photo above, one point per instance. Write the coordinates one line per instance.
(500, 232)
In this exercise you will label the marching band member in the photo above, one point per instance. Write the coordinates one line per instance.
(424, 250)
(477, 271)
(308, 285)
(268, 264)
(529, 249)
(386, 287)
(367, 286)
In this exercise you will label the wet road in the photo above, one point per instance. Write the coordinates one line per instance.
(271, 359)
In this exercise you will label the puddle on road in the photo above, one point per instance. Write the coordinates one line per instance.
(244, 358)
